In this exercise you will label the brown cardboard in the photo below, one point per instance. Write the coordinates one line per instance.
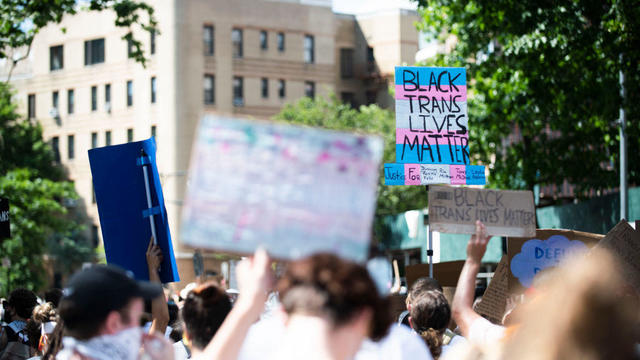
(624, 242)
(514, 246)
(504, 212)
(446, 273)
(494, 300)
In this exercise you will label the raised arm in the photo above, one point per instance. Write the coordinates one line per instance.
(462, 310)
(255, 278)
(159, 308)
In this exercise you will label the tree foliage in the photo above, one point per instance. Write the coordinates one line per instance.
(331, 114)
(20, 20)
(546, 72)
(40, 222)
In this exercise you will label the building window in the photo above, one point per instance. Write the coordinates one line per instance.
(280, 39)
(94, 140)
(209, 89)
(70, 147)
(309, 51)
(93, 193)
(348, 98)
(264, 86)
(264, 44)
(281, 89)
(107, 138)
(153, 131)
(207, 39)
(130, 48)
(94, 98)
(238, 93)
(94, 234)
(152, 42)
(309, 89)
(236, 40)
(129, 93)
(129, 135)
(346, 63)
(370, 57)
(31, 103)
(107, 97)
(55, 100)
(372, 97)
(55, 146)
(94, 51)
(71, 101)
(153, 90)
(56, 58)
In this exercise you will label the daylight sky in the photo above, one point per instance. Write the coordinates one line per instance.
(365, 6)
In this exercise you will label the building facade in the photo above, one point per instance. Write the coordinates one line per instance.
(244, 58)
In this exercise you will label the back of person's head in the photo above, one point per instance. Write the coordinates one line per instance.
(430, 315)
(203, 312)
(44, 313)
(53, 296)
(580, 312)
(421, 285)
(325, 285)
(22, 301)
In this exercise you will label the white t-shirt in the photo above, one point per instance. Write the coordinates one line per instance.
(400, 343)
(483, 332)
(456, 341)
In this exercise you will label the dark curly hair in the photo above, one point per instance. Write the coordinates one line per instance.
(23, 301)
(324, 284)
(204, 310)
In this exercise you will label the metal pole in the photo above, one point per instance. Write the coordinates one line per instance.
(624, 191)
(149, 203)
(430, 252)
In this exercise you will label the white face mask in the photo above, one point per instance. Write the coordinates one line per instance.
(125, 345)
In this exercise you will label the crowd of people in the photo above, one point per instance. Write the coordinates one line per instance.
(328, 308)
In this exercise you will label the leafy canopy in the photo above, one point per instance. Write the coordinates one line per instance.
(543, 85)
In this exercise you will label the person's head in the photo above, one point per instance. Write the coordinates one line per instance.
(579, 312)
(421, 285)
(203, 312)
(21, 303)
(103, 300)
(340, 291)
(429, 316)
(53, 296)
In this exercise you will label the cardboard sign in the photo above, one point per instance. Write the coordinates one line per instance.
(504, 212)
(624, 242)
(119, 184)
(293, 190)
(432, 129)
(5, 228)
(494, 300)
(447, 273)
(530, 255)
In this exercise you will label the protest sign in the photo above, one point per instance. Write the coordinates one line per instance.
(293, 190)
(624, 242)
(119, 184)
(504, 212)
(447, 273)
(5, 226)
(494, 301)
(432, 129)
(530, 255)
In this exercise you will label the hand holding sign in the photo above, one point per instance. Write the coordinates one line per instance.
(154, 256)
(478, 243)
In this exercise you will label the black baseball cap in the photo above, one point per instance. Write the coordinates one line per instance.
(91, 294)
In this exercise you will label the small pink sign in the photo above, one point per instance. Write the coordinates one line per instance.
(458, 175)
(412, 174)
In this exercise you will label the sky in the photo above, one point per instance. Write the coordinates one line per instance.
(365, 6)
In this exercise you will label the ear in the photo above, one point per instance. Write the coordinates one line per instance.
(411, 323)
(112, 324)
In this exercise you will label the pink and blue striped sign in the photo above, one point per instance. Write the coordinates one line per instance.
(432, 130)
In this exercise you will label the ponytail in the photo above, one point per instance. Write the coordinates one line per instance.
(433, 338)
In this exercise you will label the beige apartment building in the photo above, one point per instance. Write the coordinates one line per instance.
(243, 58)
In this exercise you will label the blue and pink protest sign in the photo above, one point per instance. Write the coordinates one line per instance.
(432, 131)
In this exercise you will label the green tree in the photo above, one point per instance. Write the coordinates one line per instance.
(40, 221)
(20, 21)
(331, 114)
(546, 72)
